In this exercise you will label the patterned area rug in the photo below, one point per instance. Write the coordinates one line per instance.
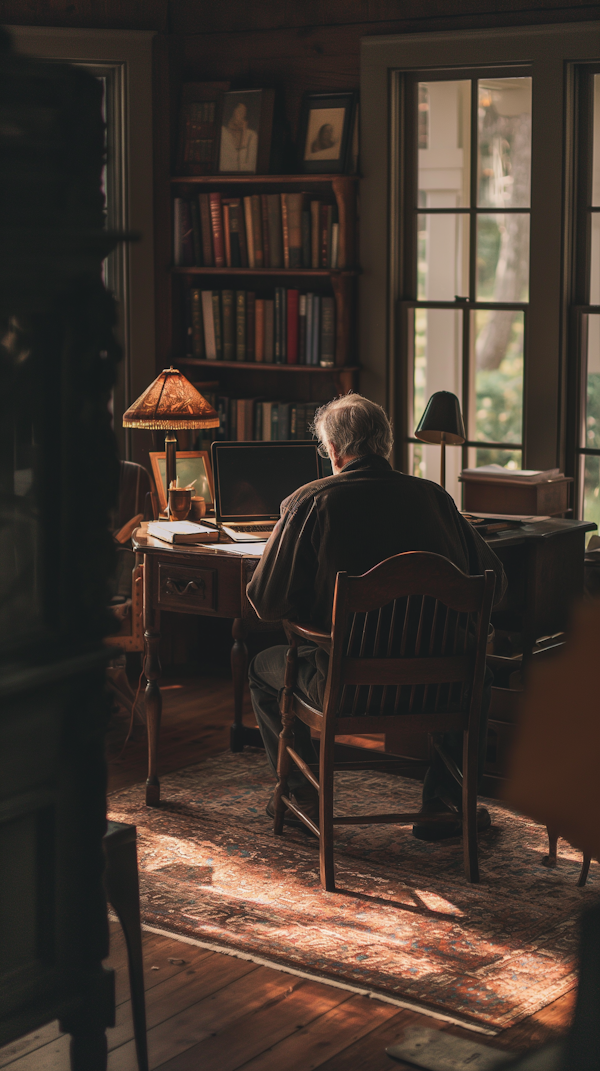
(405, 922)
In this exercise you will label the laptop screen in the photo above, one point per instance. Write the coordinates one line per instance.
(252, 479)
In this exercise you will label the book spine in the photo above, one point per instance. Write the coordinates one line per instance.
(259, 331)
(311, 408)
(250, 324)
(241, 232)
(285, 230)
(240, 419)
(275, 233)
(335, 244)
(196, 232)
(283, 430)
(188, 341)
(310, 304)
(323, 236)
(266, 423)
(206, 230)
(216, 219)
(177, 231)
(232, 412)
(295, 202)
(226, 234)
(257, 231)
(277, 325)
(316, 332)
(240, 325)
(293, 422)
(222, 411)
(302, 329)
(258, 421)
(292, 326)
(264, 217)
(197, 325)
(306, 257)
(283, 325)
(216, 304)
(327, 356)
(209, 325)
(329, 228)
(228, 325)
(275, 421)
(269, 330)
(315, 231)
(249, 234)
(301, 421)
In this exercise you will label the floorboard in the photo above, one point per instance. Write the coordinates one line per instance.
(216, 1012)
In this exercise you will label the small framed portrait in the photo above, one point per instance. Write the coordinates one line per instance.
(325, 132)
(246, 130)
(193, 466)
(199, 127)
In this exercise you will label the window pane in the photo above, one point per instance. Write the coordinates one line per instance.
(596, 150)
(503, 257)
(591, 489)
(509, 459)
(444, 141)
(591, 429)
(595, 264)
(497, 400)
(443, 268)
(504, 151)
(438, 366)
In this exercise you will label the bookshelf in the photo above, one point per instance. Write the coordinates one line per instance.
(296, 383)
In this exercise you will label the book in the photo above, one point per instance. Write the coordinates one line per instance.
(188, 341)
(310, 304)
(292, 299)
(275, 231)
(485, 472)
(278, 327)
(250, 324)
(240, 325)
(259, 330)
(258, 421)
(257, 231)
(216, 221)
(197, 324)
(335, 244)
(266, 420)
(302, 329)
(315, 231)
(199, 126)
(316, 331)
(285, 229)
(311, 408)
(293, 422)
(226, 234)
(228, 325)
(324, 236)
(237, 234)
(210, 348)
(269, 331)
(249, 232)
(206, 230)
(331, 212)
(183, 249)
(275, 421)
(264, 218)
(301, 421)
(327, 341)
(216, 305)
(306, 253)
(232, 415)
(196, 232)
(283, 421)
(223, 414)
(182, 532)
(295, 203)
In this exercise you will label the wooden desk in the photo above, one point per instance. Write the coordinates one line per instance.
(193, 580)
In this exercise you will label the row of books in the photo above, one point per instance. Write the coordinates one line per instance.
(268, 230)
(255, 419)
(236, 325)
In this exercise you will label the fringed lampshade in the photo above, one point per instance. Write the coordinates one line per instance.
(171, 403)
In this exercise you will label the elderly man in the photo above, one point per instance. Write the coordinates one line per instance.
(351, 521)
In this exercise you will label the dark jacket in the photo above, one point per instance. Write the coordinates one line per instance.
(350, 523)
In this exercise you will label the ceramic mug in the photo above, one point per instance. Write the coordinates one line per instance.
(198, 508)
(180, 501)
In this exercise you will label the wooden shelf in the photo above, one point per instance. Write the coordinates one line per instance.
(245, 179)
(304, 272)
(260, 366)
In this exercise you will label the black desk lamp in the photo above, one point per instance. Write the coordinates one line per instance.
(442, 423)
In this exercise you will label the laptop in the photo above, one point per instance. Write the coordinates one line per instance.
(253, 478)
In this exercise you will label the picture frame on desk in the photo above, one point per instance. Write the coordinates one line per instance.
(200, 127)
(246, 132)
(326, 133)
(191, 465)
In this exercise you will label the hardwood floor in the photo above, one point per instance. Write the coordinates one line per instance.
(214, 1012)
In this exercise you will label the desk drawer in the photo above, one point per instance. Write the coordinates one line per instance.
(187, 588)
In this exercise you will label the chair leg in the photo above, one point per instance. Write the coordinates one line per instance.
(326, 863)
(469, 800)
(585, 867)
(285, 737)
(551, 859)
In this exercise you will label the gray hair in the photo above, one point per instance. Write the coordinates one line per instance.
(355, 425)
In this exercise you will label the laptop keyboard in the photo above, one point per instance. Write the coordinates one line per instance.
(253, 527)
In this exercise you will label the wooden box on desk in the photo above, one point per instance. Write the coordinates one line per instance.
(549, 498)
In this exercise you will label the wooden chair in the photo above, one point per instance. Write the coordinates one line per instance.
(407, 646)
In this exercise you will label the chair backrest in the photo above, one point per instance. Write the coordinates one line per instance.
(134, 483)
(409, 637)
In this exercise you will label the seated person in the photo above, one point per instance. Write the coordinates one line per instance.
(364, 513)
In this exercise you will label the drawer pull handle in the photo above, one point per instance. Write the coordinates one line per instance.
(183, 587)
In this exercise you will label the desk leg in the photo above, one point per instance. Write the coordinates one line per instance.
(153, 696)
(239, 670)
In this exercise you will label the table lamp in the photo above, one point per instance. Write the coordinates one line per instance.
(170, 403)
(442, 423)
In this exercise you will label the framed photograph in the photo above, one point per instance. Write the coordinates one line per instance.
(200, 127)
(325, 132)
(246, 130)
(192, 465)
